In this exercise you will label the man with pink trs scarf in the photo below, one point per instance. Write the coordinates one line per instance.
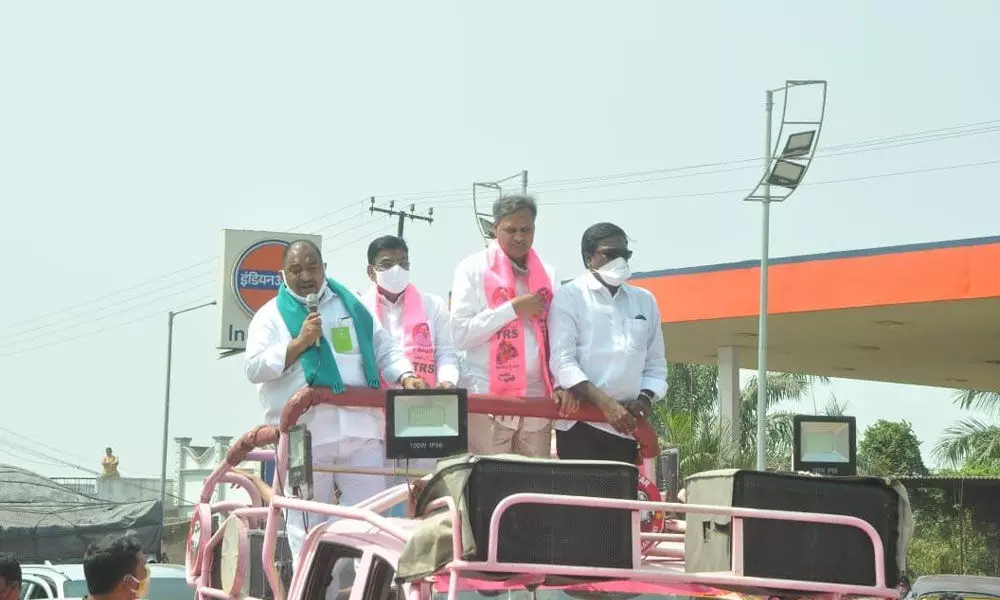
(499, 307)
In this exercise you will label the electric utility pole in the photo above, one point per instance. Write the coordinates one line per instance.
(402, 214)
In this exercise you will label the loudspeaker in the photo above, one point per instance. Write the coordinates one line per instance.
(258, 585)
(532, 533)
(668, 473)
(790, 550)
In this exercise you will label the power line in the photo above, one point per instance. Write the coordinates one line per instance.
(402, 214)
(57, 325)
(882, 143)
(159, 313)
(55, 461)
(586, 202)
(742, 190)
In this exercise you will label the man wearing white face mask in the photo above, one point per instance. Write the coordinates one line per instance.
(607, 349)
(318, 333)
(115, 569)
(418, 322)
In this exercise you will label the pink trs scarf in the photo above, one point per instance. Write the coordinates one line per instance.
(507, 355)
(418, 343)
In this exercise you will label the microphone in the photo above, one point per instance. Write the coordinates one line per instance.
(312, 303)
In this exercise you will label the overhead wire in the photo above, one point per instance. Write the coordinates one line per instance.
(60, 325)
(157, 313)
(882, 143)
(55, 461)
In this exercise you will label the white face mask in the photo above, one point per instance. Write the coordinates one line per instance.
(393, 280)
(302, 299)
(615, 272)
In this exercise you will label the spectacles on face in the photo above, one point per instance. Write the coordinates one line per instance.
(613, 253)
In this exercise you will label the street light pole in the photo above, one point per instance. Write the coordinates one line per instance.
(788, 170)
(166, 404)
(765, 235)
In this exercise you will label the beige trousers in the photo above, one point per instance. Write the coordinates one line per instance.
(486, 437)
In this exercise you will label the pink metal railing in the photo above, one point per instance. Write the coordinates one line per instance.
(199, 566)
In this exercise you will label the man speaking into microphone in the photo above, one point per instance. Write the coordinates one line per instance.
(316, 332)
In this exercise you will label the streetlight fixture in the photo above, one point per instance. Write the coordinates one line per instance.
(166, 404)
(784, 169)
(484, 221)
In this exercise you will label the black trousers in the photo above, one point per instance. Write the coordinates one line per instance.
(584, 442)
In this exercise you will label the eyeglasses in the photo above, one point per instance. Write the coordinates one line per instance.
(613, 253)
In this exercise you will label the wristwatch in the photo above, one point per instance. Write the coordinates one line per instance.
(647, 397)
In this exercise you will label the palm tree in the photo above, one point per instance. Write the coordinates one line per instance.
(689, 419)
(972, 440)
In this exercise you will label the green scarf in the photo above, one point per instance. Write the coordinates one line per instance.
(318, 362)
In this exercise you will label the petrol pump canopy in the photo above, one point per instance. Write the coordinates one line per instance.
(925, 314)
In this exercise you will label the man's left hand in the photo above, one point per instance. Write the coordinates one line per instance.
(412, 382)
(446, 385)
(640, 407)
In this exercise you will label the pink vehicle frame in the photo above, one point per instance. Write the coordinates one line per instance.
(657, 558)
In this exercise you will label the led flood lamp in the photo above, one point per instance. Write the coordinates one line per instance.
(428, 423)
(825, 445)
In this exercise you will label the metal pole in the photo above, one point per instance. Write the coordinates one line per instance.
(524, 182)
(166, 406)
(166, 419)
(765, 233)
(399, 228)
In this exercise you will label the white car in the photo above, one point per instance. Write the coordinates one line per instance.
(66, 582)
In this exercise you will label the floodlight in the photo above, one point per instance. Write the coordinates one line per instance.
(300, 462)
(825, 445)
(798, 144)
(786, 174)
(486, 226)
(426, 423)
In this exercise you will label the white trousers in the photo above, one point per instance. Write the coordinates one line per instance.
(355, 452)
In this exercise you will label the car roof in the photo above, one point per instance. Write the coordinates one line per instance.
(74, 571)
(963, 584)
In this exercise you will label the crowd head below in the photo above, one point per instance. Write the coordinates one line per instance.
(115, 568)
(10, 578)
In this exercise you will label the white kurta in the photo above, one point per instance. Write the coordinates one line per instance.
(473, 323)
(438, 319)
(615, 342)
(267, 341)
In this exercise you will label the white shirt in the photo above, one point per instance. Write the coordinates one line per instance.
(438, 320)
(600, 338)
(267, 340)
(473, 323)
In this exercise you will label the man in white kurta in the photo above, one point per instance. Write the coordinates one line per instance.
(340, 435)
(417, 321)
(607, 349)
(474, 325)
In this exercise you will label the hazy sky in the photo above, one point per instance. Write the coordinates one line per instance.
(132, 132)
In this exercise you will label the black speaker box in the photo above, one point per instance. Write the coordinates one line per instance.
(532, 533)
(259, 587)
(790, 550)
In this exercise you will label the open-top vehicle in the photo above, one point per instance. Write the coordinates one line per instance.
(547, 529)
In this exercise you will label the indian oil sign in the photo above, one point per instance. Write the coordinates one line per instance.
(249, 276)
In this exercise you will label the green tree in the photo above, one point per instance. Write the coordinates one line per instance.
(690, 420)
(948, 541)
(972, 440)
(890, 448)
